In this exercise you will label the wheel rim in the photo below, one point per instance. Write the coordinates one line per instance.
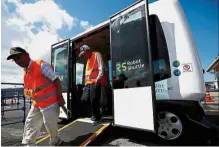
(169, 125)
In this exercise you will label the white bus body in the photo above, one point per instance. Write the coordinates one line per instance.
(181, 45)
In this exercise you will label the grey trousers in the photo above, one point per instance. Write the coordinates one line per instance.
(34, 121)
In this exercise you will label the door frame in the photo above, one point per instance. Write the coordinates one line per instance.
(72, 78)
(69, 56)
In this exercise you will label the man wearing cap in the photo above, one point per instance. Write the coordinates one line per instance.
(95, 77)
(44, 87)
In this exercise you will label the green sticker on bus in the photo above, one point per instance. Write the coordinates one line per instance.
(118, 68)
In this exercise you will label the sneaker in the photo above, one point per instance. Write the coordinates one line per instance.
(97, 122)
(29, 145)
(93, 118)
(58, 143)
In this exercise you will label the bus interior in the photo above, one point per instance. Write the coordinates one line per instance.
(99, 41)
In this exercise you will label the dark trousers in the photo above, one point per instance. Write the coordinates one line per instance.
(91, 95)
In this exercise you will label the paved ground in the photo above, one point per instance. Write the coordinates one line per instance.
(12, 134)
(125, 137)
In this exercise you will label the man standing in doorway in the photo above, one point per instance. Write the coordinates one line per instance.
(44, 87)
(95, 77)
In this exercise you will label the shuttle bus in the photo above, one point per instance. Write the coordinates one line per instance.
(152, 46)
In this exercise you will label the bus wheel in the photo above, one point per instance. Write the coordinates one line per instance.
(170, 126)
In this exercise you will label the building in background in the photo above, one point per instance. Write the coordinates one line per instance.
(214, 69)
(213, 86)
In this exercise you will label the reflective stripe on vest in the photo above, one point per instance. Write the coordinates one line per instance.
(39, 99)
(88, 77)
(92, 69)
(42, 87)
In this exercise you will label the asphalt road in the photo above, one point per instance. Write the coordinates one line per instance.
(127, 137)
(11, 135)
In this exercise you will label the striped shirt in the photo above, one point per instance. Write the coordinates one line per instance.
(100, 65)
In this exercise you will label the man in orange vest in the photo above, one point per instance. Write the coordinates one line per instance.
(44, 87)
(95, 77)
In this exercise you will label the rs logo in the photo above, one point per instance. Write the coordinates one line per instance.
(120, 67)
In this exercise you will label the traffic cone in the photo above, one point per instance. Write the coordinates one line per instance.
(208, 97)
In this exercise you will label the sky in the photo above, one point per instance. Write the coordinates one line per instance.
(37, 24)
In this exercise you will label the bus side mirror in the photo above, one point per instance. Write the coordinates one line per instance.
(203, 71)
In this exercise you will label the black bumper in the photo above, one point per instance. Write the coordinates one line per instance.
(206, 131)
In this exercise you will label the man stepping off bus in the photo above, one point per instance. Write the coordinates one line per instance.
(44, 87)
(95, 77)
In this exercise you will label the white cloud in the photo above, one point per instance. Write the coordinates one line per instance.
(17, 2)
(33, 26)
(46, 11)
(85, 24)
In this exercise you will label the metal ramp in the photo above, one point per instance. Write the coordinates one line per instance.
(80, 132)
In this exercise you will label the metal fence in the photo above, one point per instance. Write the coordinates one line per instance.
(13, 97)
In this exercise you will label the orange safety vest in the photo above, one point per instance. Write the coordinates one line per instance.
(92, 70)
(39, 88)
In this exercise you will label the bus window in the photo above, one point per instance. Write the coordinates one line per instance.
(130, 58)
(160, 55)
(60, 65)
(79, 73)
(159, 66)
(161, 69)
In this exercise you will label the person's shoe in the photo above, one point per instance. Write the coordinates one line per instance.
(97, 121)
(58, 143)
(29, 145)
(93, 118)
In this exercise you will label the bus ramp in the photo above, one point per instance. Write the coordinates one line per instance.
(80, 132)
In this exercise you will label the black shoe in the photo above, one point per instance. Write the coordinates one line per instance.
(93, 118)
(59, 143)
(97, 122)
